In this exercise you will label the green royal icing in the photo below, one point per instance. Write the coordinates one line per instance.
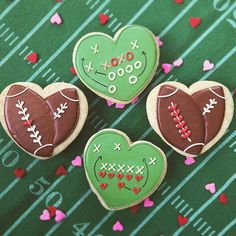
(109, 153)
(133, 49)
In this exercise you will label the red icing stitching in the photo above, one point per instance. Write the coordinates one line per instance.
(181, 124)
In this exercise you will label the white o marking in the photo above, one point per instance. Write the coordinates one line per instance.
(138, 65)
(133, 79)
(112, 75)
(120, 72)
(112, 89)
(129, 69)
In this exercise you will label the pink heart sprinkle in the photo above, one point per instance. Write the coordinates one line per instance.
(109, 103)
(211, 187)
(77, 161)
(120, 106)
(166, 67)
(118, 226)
(135, 100)
(59, 216)
(189, 160)
(56, 19)
(207, 65)
(159, 42)
(148, 202)
(45, 215)
(178, 62)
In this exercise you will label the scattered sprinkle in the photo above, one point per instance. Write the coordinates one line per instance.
(207, 65)
(166, 67)
(148, 202)
(179, 1)
(73, 71)
(135, 100)
(120, 106)
(195, 21)
(223, 198)
(103, 18)
(178, 62)
(45, 216)
(61, 170)
(189, 160)
(182, 220)
(134, 209)
(32, 57)
(118, 226)
(211, 187)
(19, 173)
(60, 216)
(56, 19)
(109, 103)
(59, 0)
(159, 42)
(52, 211)
(77, 161)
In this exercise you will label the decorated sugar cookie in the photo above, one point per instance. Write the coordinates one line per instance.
(43, 122)
(121, 173)
(191, 120)
(117, 69)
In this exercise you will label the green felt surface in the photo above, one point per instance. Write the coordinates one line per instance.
(22, 201)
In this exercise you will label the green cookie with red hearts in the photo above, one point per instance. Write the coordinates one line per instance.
(121, 173)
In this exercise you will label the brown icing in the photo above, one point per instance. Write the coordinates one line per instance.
(191, 115)
(213, 115)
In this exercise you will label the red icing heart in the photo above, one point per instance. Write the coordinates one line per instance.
(223, 198)
(136, 190)
(61, 170)
(102, 174)
(111, 175)
(128, 176)
(103, 18)
(103, 185)
(138, 177)
(121, 185)
(73, 71)
(195, 21)
(28, 123)
(179, 1)
(119, 176)
(182, 220)
(19, 173)
(52, 210)
(33, 57)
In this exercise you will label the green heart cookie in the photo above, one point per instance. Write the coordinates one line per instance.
(120, 173)
(117, 69)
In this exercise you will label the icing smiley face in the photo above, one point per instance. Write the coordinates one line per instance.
(120, 173)
(117, 69)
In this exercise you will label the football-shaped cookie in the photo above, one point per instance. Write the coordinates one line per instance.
(43, 122)
(191, 120)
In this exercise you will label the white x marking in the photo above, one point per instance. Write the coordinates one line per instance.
(121, 168)
(104, 166)
(130, 169)
(89, 67)
(105, 65)
(111, 167)
(117, 146)
(139, 170)
(95, 49)
(152, 161)
(121, 58)
(135, 44)
(97, 148)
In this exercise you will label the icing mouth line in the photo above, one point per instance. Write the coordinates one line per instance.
(82, 60)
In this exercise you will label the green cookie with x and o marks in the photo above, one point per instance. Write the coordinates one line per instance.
(119, 68)
(121, 173)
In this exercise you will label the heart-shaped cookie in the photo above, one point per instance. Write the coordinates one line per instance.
(191, 120)
(43, 122)
(117, 69)
(121, 173)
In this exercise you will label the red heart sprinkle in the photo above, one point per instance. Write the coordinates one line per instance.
(73, 71)
(136, 190)
(119, 176)
(128, 177)
(103, 185)
(52, 210)
(195, 21)
(223, 198)
(33, 57)
(19, 173)
(138, 177)
(182, 220)
(102, 174)
(28, 123)
(179, 1)
(134, 209)
(61, 170)
(111, 175)
(121, 184)
(103, 18)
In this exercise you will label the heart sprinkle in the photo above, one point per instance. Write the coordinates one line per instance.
(109, 103)
(138, 177)
(195, 21)
(103, 18)
(73, 71)
(166, 67)
(135, 100)
(60, 216)
(148, 202)
(52, 210)
(136, 190)
(61, 170)
(120, 106)
(211, 187)
(103, 185)
(223, 198)
(45, 216)
(77, 161)
(134, 209)
(189, 161)
(56, 19)
(102, 174)
(121, 185)
(182, 220)
(111, 175)
(119, 176)
(32, 57)
(159, 42)
(178, 62)
(128, 177)
(207, 65)
(118, 226)
(179, 1)
(19, 173)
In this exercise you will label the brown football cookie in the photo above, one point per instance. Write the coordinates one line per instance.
(43, 122)
(191, 120)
